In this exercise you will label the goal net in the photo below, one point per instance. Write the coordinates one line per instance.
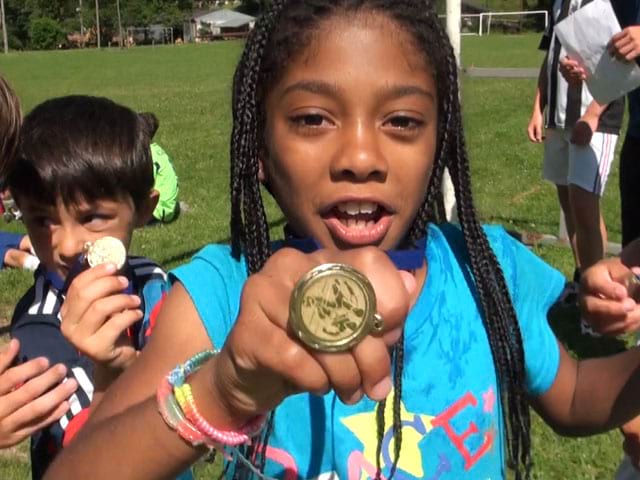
(503, 22)
(152, 35)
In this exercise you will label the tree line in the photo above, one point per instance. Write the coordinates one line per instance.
(46, 24)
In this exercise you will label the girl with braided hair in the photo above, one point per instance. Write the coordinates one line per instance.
(423, 364)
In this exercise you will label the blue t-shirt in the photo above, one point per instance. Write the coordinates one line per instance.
(628, 13)
(450, 410)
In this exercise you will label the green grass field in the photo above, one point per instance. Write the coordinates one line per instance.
(188, 88)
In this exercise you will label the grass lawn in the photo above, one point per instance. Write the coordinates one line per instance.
(188, 89)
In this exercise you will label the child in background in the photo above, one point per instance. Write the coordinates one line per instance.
(83, 171)
(44, 399)
(348, 112)
(165, 180)
(15, 251)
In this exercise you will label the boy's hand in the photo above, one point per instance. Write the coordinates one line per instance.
(95, 316)
(534, 129)
(625, 45)
(572, 72)
(605, 300)
(262, 362)
(31, 395)
(582, 131)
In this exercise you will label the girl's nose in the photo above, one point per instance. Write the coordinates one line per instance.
(360, 158)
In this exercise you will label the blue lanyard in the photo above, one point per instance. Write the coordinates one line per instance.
(403, 259)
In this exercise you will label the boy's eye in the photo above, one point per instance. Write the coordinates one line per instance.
(94, 218)
(42, 221)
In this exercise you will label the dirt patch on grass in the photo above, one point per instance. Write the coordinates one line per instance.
(19, 452)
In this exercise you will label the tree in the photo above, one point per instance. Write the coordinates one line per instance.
(45, 33)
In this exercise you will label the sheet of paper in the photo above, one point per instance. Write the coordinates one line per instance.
(585, 35)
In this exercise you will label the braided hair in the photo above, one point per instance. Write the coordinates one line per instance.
(285, 29)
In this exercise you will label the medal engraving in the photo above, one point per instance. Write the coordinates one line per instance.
(106, 250)
(333, 307)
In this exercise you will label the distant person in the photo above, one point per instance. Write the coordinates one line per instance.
(165, 180)
(579, 147)
(625, 45)
(15, 251)
(69, 146)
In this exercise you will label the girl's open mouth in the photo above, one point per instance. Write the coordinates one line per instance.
(358, 222)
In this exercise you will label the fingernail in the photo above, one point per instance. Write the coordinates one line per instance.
(110, 267)
(135, 298)
(355, 398)
(381, 390)
(123, 281)
(628, 305)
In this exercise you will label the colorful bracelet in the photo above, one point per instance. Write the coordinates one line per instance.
(178, 409)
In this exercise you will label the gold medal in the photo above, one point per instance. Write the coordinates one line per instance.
(333, 307)
(106, 250)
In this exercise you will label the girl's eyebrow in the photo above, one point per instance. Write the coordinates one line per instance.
(312, 86)
(397, 91)
(327, 88)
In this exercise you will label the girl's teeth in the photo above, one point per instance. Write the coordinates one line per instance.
(354, 208)
(367, 207)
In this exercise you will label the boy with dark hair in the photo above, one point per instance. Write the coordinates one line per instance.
(44, 398)
(83, 172)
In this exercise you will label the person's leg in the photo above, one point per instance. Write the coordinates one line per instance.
(585, 211)
(555, 169)
(630, 189)
(589, 167)
(565, 205)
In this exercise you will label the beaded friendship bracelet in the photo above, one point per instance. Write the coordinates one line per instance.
(178, 409)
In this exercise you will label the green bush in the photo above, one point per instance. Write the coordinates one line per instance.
(45, 33)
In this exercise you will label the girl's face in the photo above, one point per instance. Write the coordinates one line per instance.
(351, 134)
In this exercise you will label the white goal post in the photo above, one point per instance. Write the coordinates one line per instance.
(480, 23)
(152, 35)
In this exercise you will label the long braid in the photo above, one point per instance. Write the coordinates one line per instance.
(249, 227)
(285, 30)
(499, 317)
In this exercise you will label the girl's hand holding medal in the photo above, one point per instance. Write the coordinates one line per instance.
(264, 359)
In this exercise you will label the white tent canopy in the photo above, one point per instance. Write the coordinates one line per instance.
(225, 18)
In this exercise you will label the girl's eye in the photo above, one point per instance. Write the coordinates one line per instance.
(310, 120)
(404, 122)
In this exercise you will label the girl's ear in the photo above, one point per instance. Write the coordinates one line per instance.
(261, 175)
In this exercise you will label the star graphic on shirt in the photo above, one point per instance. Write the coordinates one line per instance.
(414, 428)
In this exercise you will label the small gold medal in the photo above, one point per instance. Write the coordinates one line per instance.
(106, 250)
(333, 307)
